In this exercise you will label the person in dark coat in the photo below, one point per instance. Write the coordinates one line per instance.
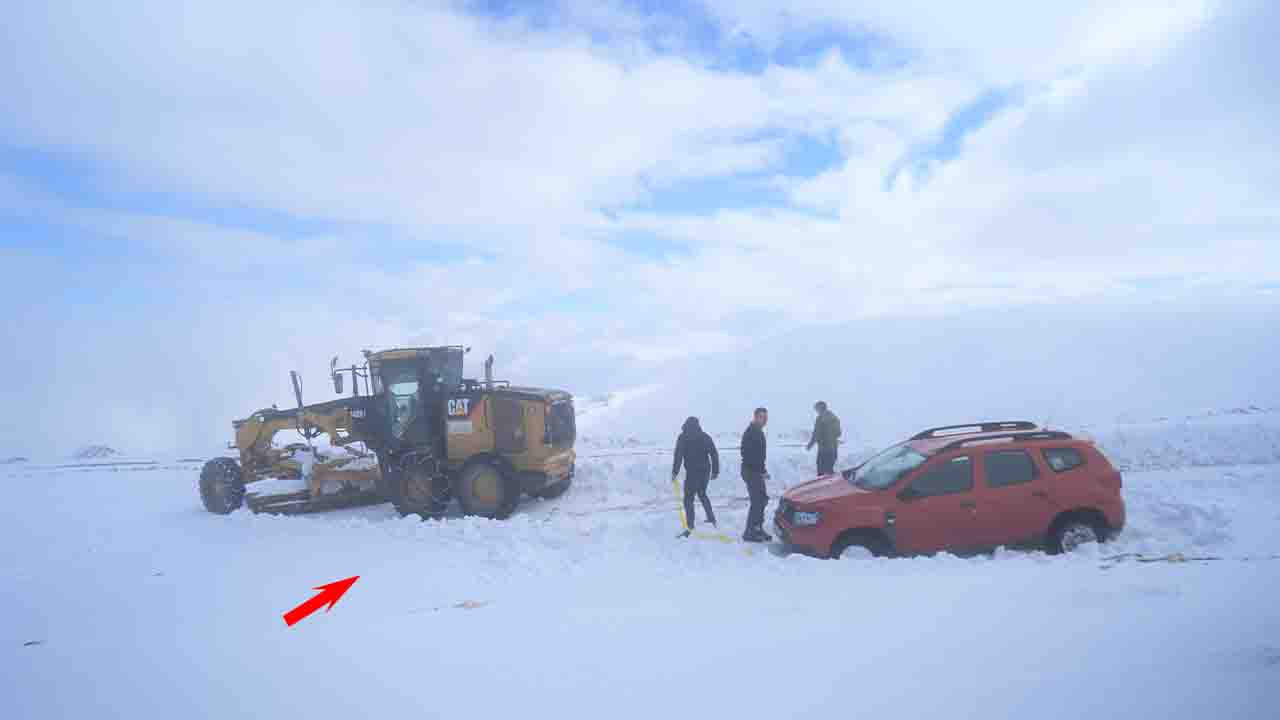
(697, 452)
(754, 474)
(826, 435)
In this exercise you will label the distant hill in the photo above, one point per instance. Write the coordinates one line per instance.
(95, 452)
(13, 460)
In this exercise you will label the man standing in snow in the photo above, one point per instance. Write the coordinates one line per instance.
(696, 450)
(754, 475)
(826, 435)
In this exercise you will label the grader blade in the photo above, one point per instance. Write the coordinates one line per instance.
(302, 502)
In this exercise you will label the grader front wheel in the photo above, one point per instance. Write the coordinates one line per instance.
(221, 486)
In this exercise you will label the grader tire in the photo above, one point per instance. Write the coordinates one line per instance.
(388, 483)
(487, 489)
(555, 490)
(416, 494)
(221, 486)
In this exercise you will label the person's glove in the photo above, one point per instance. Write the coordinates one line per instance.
(809, 446)
(714, 476)
(674, 475)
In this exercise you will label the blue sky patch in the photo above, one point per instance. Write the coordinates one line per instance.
(649, 245)
(949, 141)
(81, 183)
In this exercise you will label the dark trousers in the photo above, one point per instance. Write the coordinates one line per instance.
(695, 485)
(826, 460)
(759, 497)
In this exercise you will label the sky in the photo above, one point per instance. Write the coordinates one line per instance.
(196, 198)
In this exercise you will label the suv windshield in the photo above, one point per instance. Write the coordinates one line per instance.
(886, 468)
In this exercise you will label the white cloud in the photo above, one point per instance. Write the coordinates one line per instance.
(1132, 156)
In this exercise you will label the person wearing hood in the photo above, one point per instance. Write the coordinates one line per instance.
(697, 452)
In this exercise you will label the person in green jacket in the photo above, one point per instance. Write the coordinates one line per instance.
(826, 435)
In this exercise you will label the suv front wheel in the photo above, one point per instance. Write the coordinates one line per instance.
(870, 540)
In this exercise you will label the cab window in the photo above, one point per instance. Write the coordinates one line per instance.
(953, 476)
(402, 398)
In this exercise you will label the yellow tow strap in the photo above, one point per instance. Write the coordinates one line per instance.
(684, 521)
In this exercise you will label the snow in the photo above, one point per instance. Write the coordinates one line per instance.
(276, 486)
(144, 605)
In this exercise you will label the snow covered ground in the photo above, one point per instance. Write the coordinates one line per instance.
(121, 596)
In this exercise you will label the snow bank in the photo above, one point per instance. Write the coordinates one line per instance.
(889, 377)
(1240, 436)
(587, 607)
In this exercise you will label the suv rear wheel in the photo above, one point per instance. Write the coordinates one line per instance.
(1070, 534)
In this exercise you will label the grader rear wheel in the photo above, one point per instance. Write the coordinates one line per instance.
(555, 490)
(487, 489)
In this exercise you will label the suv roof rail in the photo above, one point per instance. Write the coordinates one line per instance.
(986, 427)
(1016, 436)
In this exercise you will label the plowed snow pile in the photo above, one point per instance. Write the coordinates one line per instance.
(121, 597)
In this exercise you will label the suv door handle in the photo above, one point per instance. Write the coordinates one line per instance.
(1040, 494)
(969, 505)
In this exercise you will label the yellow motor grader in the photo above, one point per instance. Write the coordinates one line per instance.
(419, 436)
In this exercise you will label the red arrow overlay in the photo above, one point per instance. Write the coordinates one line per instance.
(329, 594)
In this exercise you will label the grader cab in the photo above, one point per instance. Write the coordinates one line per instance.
(413, 431)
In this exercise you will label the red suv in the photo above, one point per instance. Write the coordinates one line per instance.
(960, 488)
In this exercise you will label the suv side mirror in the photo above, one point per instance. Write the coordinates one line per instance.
(908, 493)
(337, 383)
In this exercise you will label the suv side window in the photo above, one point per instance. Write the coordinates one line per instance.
(953, 476)
(1062, 459)
(1008, 467)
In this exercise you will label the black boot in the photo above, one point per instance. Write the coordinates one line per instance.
(756, 534)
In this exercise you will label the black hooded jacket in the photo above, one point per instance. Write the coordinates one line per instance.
(695, 449)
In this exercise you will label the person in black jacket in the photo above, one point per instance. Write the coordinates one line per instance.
(697, 452)
(754, 474)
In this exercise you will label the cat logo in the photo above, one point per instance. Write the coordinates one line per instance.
(460, 407)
